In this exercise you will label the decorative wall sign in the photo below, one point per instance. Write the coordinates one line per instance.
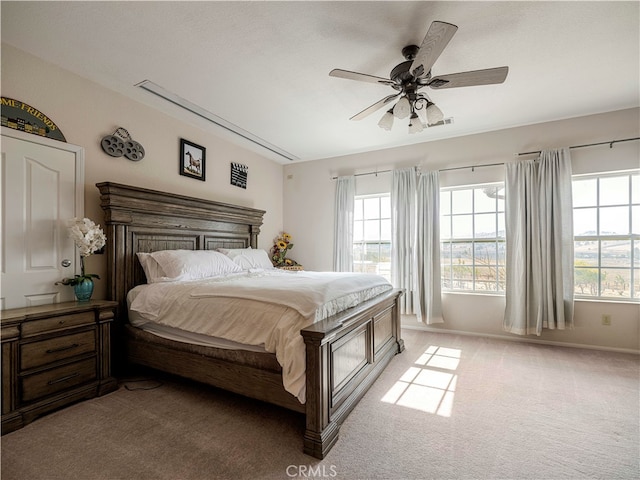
(239, 175)
(21, 116)
(121, 143)
(192, 160)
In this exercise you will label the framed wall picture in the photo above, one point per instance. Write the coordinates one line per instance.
(192, 160)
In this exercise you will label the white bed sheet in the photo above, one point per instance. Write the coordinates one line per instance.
(178, 335)
(260, 308)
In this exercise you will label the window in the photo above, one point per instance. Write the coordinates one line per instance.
(606, 228)
(372, 235)
(472, 235)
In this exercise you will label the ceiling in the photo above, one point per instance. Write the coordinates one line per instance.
(264, 66)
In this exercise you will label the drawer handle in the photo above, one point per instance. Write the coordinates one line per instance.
(62, 349)
(63, 379)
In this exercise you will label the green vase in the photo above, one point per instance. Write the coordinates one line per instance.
(84, 290)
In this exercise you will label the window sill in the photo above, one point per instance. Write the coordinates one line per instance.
(626, 301)
(482, 294)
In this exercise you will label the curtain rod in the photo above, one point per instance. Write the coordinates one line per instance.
(473, 167)
(610, 143)
(366, 173)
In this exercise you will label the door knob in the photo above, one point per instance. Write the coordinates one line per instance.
(66, 263)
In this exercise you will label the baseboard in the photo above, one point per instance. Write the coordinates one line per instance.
(523, 339)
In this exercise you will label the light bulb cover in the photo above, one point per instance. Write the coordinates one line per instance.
(434, 114)
(415, 125)
(402, 109)
(386, 122)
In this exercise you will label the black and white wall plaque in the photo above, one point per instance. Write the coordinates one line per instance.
(239, 175)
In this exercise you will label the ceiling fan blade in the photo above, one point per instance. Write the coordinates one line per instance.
(362, 77)
(436, 39)
(488, 76)
(376, 106)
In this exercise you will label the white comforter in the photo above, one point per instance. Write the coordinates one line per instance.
(265, 307)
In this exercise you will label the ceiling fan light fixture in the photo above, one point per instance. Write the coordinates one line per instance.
(386, 122)
(408, 77)
(434, 114)
(415, 125)
(402, 108)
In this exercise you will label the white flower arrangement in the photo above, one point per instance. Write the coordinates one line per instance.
(89, 238)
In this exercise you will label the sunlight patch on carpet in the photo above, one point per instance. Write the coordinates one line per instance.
(429, 385)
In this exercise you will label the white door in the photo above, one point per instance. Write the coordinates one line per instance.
(42, 188)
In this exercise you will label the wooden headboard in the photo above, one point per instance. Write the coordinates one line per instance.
(142, 220)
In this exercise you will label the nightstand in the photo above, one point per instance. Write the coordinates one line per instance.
(52, 356)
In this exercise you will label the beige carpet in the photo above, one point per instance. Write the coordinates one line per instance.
(449, 407)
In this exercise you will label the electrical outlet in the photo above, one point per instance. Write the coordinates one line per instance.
(606, 319)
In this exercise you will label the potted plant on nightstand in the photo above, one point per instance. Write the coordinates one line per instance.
(89, 238)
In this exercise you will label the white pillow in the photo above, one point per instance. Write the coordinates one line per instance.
(193, 264)
(249, 258)
(232, 252)
(152, 270)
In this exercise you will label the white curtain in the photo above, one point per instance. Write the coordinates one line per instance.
(427, 250)
(403, 221)
(539, 236)
(343, 229)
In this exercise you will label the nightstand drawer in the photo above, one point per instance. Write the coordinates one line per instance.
(48, 351)
(57, 323)
(58, 379)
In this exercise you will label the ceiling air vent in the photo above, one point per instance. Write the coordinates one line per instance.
(151, 87)
(445, 121)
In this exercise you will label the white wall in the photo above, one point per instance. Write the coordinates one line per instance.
(85, 112)
(308, 209)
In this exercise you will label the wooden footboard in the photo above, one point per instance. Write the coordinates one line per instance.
(345, 355)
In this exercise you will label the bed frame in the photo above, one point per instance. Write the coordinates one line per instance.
(344, 353)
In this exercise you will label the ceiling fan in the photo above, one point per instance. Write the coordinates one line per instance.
(413, 74)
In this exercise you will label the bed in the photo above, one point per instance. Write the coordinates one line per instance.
(344, 353)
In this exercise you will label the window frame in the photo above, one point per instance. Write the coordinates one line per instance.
(379, 241)
(446, 244)
(633, 267)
